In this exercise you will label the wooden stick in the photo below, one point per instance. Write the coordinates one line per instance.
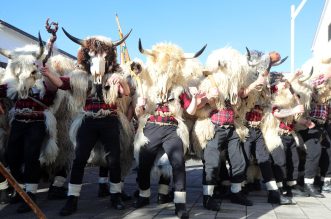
(21, 192)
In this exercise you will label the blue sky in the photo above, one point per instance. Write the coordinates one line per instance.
(257, 24)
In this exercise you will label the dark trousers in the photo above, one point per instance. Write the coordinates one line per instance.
(162, 137)
(286, 160)
(2, 178)
(105, 130)
(224, 139)
(325, 160)
(311, 137)
(255, 146)
(103, 171)
(24, 144)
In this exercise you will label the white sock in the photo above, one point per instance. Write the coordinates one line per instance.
(31, 187)
(309, 180)
(235, 187)
(208, 190)
(291, 183)
(59, 181)
(115, 187)
(145, 193)
(163, 189)
(74, 189)
(180, 197)
(103, 180)
(279, 185)
(271, 185)
(4, 185)
(327, 179)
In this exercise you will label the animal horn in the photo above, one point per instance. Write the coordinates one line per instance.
(119, 42)
(41, 47)
(74, 39)
(197, 54)
(308, 76)
(142, 50)
(249, 59)
(280, 62)
(5, 53)
(248, 54)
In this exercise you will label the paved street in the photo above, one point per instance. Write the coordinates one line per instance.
(90, 206)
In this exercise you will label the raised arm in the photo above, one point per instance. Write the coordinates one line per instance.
(283, 113)
(51, 80)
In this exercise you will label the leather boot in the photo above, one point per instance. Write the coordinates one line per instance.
(180, 210)
(313, 192)
(24, 207)
(141, 202)
(70, 207)
(210, 203)
(162, 199)
(116, 201)
(240, 198)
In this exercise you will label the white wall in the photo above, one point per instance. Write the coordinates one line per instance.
(10, 39)
(321, 37)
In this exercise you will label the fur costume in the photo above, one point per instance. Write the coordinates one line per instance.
(62, 66)
(283, 99)
(228, 70)
(83, 83)
(6, 105)
(21, 75)
(165, 69)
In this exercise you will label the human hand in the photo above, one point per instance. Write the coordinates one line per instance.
(45, 71)
(310, 124)
(299, 109)
(141, 102)
(214, 93)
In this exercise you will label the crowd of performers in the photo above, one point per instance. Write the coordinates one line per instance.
(244, 121)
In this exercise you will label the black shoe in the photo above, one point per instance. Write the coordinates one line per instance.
(246, 189)
(24, 207)
(221, 192)
(125, 197)
(116, 201)
(180, 210)
(240, 198)
(15, 198)
(141, 202)
(162, 199)
(257, 185)
(57, 193)
(103, 190)
(70, 207)
(326, 187)
(136, 193)
(5, 196)
(296, 191)
(210, 203)
(313, 192)
(253, 186)
(275, 197)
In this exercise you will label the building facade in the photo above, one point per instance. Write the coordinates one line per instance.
(322, 37)
(12, 37)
